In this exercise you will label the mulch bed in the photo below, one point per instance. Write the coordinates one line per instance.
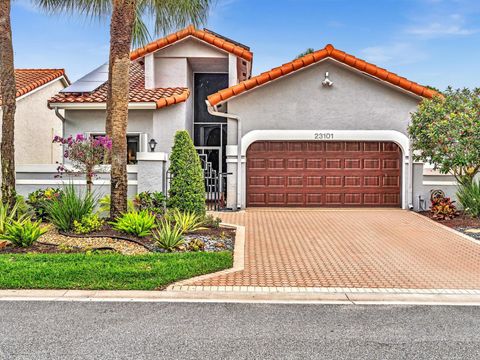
(222, 234)
(108, 239)
(461, 221)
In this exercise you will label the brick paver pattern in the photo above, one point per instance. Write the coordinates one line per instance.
(379, 248)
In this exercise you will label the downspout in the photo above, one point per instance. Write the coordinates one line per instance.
(60, 116)
(212, 110)
(410, 177)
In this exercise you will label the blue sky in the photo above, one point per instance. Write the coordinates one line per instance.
(433, 42)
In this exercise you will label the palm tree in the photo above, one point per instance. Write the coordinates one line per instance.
(306, 52)
(8, 98)
(127, 26)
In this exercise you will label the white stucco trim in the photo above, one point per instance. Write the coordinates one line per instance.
(102, 106)
(337, 135)
(61, 78)
(152, 156)
(52, 168)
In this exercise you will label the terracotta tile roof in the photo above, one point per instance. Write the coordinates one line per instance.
(30, 79)
(206, 36)
(161, 96)
(328, 52)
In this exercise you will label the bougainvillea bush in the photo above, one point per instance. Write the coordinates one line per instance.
(445, 132)
(84, 154)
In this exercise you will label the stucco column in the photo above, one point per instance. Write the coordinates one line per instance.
(152, 167)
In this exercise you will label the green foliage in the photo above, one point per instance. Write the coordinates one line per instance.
(151, 201)
(187, 189)
(443, 208)
(39, 199)
(187, 221)
(469, 196)
(169, 236)
(306, 52)
(104, 205)
(195, 245)
(212, 221)
(64, 210)
(136, 223)
(23, 232)
(8, 216)
(445, 131)
(88, 223)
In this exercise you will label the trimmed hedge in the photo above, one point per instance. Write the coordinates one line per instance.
(187, 188)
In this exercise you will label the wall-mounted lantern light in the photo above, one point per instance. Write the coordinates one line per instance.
(152, 143)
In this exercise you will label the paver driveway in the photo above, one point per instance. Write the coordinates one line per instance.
(375, 248)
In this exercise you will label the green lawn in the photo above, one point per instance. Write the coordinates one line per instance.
(105, 271)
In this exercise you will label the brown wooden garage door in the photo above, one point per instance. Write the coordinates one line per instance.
(333, 173)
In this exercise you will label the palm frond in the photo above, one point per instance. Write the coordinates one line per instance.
(91, 8)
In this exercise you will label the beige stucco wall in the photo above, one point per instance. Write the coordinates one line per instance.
(35, 126)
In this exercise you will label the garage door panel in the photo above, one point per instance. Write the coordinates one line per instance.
(323, 174)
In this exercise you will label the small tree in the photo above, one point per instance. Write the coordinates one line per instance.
(85, 154)
(187, 189)
(445, 132)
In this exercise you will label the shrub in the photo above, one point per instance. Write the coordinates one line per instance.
(187, 189)
(187, 221)
(104, 205)
(39, 199)
(168, 236)
(88, 224)
(443, 208)
(7, 216)
(212, 221)
(469, 196)
(64, 210)
(151, 201)
(24, 232)
(136, 223)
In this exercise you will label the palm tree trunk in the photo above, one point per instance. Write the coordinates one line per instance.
(8, 94)
(121, 27)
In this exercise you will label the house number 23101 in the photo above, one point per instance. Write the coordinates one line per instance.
(323, 136)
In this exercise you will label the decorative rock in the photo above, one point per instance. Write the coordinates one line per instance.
(473, 231)
(3, 244)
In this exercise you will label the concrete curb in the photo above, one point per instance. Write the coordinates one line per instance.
(238, 260)
(240, 297)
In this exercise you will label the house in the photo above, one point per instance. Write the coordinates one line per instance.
(35, 124)
(327, 129)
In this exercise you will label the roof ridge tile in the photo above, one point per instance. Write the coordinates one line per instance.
(329, 51)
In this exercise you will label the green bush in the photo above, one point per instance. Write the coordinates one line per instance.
(39, 199)
(24, 232)
(151, 201)
(88, 224)
(64, 210)
(187, 189)
(168, 236)
(8, 216)
(469, 196)
(187, 221)
(212, 221)
(104, 205)
(136, 223)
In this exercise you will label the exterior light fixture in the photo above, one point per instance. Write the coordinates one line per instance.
(327, 81)
(152, 143)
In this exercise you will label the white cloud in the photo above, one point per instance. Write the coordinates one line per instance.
(393, 54)
(451, 25)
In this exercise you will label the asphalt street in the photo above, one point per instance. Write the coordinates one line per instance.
(116, 330)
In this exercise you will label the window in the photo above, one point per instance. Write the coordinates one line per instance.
(133, 146)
